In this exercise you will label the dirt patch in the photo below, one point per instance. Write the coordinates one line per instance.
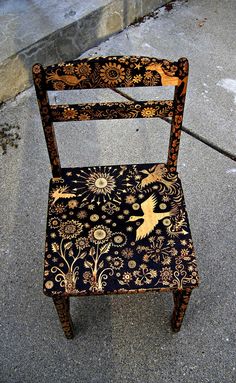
(9, 136)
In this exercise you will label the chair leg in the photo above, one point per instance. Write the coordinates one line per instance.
(181, 299)
(62, 305)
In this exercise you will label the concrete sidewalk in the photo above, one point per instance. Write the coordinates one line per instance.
(128, 338)
(52, 31)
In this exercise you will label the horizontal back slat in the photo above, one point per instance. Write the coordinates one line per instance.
(111, 110)
(112, 72)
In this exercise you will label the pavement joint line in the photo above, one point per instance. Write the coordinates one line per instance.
(187, 131)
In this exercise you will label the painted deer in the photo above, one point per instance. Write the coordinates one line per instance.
(61, 192)
(168, 80)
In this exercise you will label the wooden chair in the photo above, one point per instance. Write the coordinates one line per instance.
(124, 228)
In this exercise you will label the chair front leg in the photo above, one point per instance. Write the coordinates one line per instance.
(62, 305)
(181, 299)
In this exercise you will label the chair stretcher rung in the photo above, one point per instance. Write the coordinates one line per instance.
(111, 110)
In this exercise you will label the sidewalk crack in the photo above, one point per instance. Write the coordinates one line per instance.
(197, 136)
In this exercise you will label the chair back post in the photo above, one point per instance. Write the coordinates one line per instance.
(44, 107)
(177, 119)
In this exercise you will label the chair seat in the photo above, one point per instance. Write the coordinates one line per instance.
(117, 229)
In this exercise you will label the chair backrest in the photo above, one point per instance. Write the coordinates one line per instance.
(111, 72)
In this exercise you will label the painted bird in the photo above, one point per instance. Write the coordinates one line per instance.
(156, 174)
(150, 218)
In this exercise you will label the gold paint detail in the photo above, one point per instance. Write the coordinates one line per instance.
(99, 234)
(150, 218)
(165, 79)
(61, 192)
(162, 206)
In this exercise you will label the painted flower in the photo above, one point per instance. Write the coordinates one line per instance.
(166, 261)
(137, 78)
(145, 60)
(119, 239)
(166, 275)
(36, 69)
(54, 223)
(148, 112)
(100, 183)
(59, 208)
(136, 206)
(127, 277)
(73, 203)
(117, 263)
(82, 214)
(99, 234)
(130, 199)
(70, 113)
(146, 258)
(112, 73)
(132, 264)
(83, 69)
(49, 285)
(58, 85)
(148, 74)
(144, 275)
(84, 117)
(184, 252)
(70, 229)
(69, 69)
(94, 217)
(127, 253)
(87, 277)
(110, 207)
(82, 243)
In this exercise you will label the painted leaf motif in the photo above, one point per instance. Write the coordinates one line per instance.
(88, 264)
(55, 247)
(83, 255)
(105, 248)
(68, 245)
(92, 251)
(101, 265)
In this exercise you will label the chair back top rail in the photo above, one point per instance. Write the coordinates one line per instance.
(111, 72)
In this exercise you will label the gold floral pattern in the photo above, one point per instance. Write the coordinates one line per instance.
(92, 243)
(101, 183)
(148, 112)
(99, 234)
(70, 229)
(70, 113)
(112, 73)
(83, 69)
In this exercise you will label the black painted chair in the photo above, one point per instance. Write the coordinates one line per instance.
(116, 229)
